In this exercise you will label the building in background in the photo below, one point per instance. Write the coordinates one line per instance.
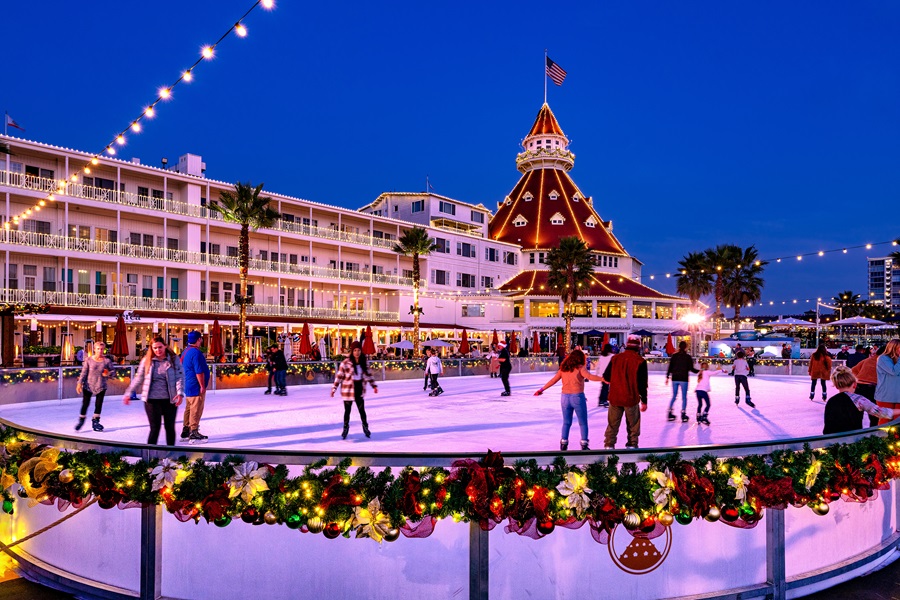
(884, 283)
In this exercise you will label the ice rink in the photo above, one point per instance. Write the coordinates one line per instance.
(470, 416)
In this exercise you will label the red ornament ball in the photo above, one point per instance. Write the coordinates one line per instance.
(332, 530)
(107, 502)
(730, 514)
(249, 515)
(648, 525)
(546, 527)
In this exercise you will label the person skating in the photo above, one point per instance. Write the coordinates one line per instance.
(602, 361)
(270, 371)
(352, 376)
(196, 378)
(160, 378)
(819, 370)
(681, 364)
(434, 369)
(702, 391)
(627, 378)
(95, 371)
(740, 369)
(279, 364)
(505, 367)
(573, 371)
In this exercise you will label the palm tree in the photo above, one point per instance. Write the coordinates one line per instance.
(569, 269)
(694, 277)
(850, 304)
(248, 209)
(743, 285)
(415, 242)
(722, 259)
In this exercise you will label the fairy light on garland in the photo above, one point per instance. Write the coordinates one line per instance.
(164, 93)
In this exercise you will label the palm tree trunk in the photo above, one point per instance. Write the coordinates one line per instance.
(737, 316)
(243, 266)
(720, 291)
(567, 315)
(415, 261)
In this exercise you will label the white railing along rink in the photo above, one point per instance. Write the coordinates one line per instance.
(177, 207)
(190, 308)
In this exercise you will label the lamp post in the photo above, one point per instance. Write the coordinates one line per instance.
(818, 325)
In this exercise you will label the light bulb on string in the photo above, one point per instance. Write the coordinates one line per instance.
(149, 112)
(120, 139)
(240, 30)
(187, 76)
(207, 52)
(95, 161)
(136, 127)
(110, 150)
(165, 93)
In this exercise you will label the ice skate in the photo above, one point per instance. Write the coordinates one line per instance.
(671, 416)
(749, 402)
(95, 423)
(197, 438)
(79, 424)
(703, 419)
(185, 434)
(684, 417)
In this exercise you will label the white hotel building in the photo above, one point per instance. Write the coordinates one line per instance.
(133, 237)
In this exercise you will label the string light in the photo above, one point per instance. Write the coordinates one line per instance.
(164, 93)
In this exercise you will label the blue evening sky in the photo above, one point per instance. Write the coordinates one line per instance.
(694, 123)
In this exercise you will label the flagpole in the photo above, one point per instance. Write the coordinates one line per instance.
(5, 123)
(545, 76)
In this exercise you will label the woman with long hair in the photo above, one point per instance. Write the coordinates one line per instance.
(95, 372)
(887, 390)
(352, 376)
(160, 378)
(819, 369)
(572, 372)
(602, 362)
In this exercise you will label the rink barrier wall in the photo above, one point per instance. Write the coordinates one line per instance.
(794, 554)
(57, 383)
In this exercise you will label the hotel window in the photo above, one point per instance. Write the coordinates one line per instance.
(491, 254)
(512, 258)
(408, 274)
(528, 197)
(508, 201)
(520, 221)
(30, 272)
(131, 284)
(487, 282)
(447, 208)
(477, 217)
(69, 283)
(213, 291)
(13, 279)
(611, 310)
(287, 218)
(133, 238)
(41, 227)
(172, 243)
(554, 195)
(81, 232)
(231, 251)
(465, 280)
(148, 240)
(100, 283)
(439, 277)
(541, 257)
(263, 255)
(664, 311)
(304, 258)
(202, 291)
(473, 310)
(202, 247)
(173, 288)
(591, 222)
(418, 206)
(464, 249)
(160, 287)
(106, 235)
(581, 309)
(49, 279)
(310, 222)
(557, 219)
(84, 282)
(443, 245)
(143, 191)
(292, 259)
(641, 310)
(531, 258)
(146, 286)
(158, 194)
(544, 309)
(576, 198)
(202, 201)
(215, 249)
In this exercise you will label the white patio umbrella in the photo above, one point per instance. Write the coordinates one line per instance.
(437, 344)
(402, 345)
(864, 321)
(790, 322)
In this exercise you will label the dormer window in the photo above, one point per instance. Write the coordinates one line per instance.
(520, 221)
(554, 195)
(591, 222)
(557, 219)
(508, 201)
(576, 198)
(528, 197)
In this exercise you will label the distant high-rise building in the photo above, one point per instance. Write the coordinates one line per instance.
(884, 283)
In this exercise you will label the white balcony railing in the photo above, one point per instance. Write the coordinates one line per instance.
(119, 249)
(187, 307)
(176, 207)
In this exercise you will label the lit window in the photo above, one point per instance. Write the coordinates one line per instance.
(527, 197)
(557, 219)
(520, 221)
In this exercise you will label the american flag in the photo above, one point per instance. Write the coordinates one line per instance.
(555, 72)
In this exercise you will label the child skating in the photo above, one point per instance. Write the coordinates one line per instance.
(434, 369)
(702, 391)
(741, 369)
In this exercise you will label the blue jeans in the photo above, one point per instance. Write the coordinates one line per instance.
(683, 385)
(576, 403)
(281, 379)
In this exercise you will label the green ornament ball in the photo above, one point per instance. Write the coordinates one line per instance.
(294, 522)
(683, 517)
(223, 521)
(747, 511)
(8, 507)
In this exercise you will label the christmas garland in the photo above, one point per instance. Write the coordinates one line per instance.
(532, 499)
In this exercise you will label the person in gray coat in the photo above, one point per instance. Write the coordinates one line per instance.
(160, 378)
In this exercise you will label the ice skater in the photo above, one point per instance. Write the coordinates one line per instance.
(573, 372)
(702, 390)
(352, 376)
(95, 373)
(741, 369)
(434, 369)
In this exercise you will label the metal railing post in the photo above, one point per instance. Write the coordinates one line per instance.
(478, 562)
(151, 548)
(59, 384)
(775, 562)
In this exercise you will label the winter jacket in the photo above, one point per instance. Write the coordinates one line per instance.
(888, 387)
(627, 377)
(343, 377)
(866, 372)
(680, 366)
(602, 363)
(171, 366)
(820, 368)
(92, 374)
(434, 366)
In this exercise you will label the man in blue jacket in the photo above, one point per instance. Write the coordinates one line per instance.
(196, 378)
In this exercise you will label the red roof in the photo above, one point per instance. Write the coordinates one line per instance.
(545, 123)
(571, 207)
(603, 285)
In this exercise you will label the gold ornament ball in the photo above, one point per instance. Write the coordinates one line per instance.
(66, 476)
(821, 508)
(632, 521)
(665, 518)
(713, 515)
(270, 518)
(315, 525)
(391, 535)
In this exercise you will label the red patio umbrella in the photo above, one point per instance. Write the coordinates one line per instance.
(670, 345)
(368, 346)
(605, 340)
(464, 344)
(494, 340)
(513, 346)
(120, 340)
(216, 349)
(305, 347)
(535, 342)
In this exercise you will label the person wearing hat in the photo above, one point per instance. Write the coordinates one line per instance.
(196, 378)
(352, 376)
(505, 367)
(627, 378)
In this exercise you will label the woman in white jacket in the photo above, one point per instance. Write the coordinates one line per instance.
(702, 391)
(434, 369)
(602, 362)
